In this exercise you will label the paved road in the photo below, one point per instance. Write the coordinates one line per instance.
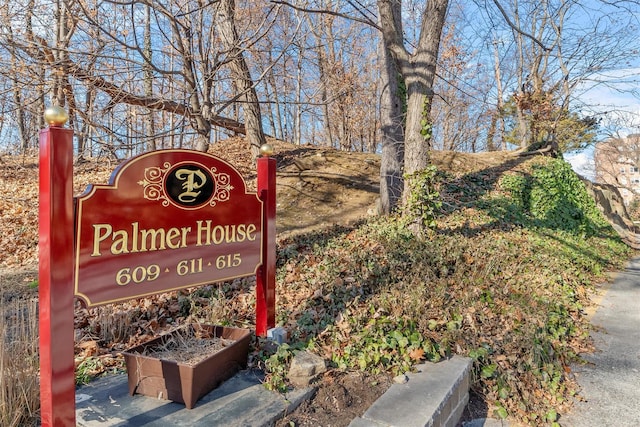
(611, 381)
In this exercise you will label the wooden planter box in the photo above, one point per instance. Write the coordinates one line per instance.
(182, 382)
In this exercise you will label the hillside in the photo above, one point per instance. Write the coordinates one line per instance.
(505, 278)
(316, 188)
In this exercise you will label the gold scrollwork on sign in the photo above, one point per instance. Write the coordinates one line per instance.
(152, 183)
(223, 186)
(155, 188)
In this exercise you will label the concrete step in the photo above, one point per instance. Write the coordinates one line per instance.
(435, 396)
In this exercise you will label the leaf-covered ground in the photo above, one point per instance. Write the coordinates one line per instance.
(503, 278)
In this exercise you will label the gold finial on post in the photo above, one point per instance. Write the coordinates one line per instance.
(266, 150)
(56, 116)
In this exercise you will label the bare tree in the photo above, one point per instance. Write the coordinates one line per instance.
(148, 77)
(24, 79)
(560, 45)
(418, 70)
(174, 64)
(497, 121)
(392, 132)
(225, 13)
(459, 110)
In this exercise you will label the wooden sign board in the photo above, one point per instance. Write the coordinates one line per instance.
(167, 220)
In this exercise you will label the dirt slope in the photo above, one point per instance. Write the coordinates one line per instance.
(316, 187)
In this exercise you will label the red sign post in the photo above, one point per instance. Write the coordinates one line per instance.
(167, 220)
(266, 277)
(57, 379)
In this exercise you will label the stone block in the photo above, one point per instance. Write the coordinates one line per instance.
(435, 396)
(305, 367)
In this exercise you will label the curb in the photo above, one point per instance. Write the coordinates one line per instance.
(435, 395)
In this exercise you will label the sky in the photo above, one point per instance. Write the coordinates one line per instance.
(609, 95)
(582, 162)
(616, 100)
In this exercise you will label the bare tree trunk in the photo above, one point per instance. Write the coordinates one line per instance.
(148, 81)
(418, 70)
(60, 54)
(496, 116)
(251, 107)
(201, 124)
(522, 123)
(41, 101)
(392, 133)
(271, 91)
(322, 65)
(278, 127)
(20, 118)
(17, 99)
(82, 135)
(331, 62)
(297, 118)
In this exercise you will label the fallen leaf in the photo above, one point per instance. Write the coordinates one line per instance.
(416, 354)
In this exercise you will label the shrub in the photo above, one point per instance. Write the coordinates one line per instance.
(553, 196)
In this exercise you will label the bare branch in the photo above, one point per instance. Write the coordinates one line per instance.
(118, 95)
(517, 28)
(365, 21)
